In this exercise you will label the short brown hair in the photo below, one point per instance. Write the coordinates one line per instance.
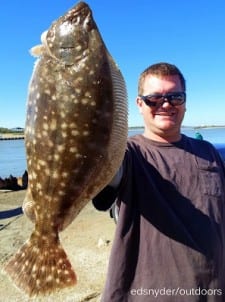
(160, 70)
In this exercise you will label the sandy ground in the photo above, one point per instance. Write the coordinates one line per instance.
(87, 242)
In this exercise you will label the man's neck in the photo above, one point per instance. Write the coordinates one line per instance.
(162, 137)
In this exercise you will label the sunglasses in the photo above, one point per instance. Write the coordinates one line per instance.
(157, 100)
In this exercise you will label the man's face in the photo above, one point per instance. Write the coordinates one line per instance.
(162, 121)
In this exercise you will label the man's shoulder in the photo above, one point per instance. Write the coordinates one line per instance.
(199, 147)
(134, 142)
(198, 142)
(134, 138)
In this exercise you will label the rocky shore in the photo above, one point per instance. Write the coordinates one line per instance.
(14, 183)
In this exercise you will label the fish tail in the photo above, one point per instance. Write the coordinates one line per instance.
(40, 267)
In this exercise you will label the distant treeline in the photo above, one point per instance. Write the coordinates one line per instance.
(209, 126)
(183, 126)
(13, 130)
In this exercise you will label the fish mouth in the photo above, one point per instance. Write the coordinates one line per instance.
(78, 12)
(81, 5)
(80, 15)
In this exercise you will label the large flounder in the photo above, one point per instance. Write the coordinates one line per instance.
(76, 131)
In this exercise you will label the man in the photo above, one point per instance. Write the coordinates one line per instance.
(169, 243)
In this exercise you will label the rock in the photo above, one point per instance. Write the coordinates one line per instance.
(14, 183)
(103, 242)
(25, 180)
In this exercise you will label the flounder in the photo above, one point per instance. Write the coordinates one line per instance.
(75, 134)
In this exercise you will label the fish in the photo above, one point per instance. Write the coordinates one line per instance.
(75, 138)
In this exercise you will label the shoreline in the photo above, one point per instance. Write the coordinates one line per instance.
(15, 136)
(186, 127)
(11, 136)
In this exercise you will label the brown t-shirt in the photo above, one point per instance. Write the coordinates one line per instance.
(169, 244)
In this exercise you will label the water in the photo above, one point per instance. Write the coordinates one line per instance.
(13, 159)
(213, 135)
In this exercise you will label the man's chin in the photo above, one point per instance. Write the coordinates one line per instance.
(167, 125)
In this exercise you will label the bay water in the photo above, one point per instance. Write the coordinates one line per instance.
(13, 157)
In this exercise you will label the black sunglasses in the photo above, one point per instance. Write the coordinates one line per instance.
(157, 100)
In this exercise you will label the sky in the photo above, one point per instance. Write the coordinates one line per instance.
(189, 34)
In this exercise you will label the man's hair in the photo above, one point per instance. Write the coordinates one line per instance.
(160, 70)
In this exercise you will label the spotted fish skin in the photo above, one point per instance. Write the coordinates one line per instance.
(76, 131)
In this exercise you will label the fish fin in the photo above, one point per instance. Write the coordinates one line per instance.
(37, 50)
(29, 206)
(40, 268)
(28, 209)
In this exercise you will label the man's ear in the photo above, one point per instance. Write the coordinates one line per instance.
(139, 103)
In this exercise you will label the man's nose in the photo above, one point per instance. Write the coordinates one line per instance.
(166, 103)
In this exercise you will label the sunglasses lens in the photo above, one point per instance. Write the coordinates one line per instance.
(175, 99)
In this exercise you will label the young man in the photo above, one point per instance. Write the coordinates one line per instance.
(170, 239)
